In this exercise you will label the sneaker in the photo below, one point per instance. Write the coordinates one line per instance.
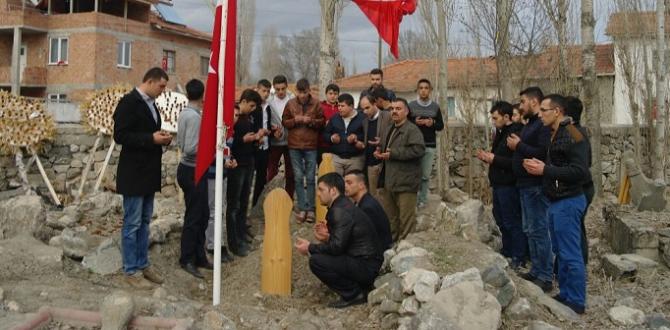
(137, 281)
(361, 298)
(152, 275)
(299, 216)
(309, 218)
(545, 286)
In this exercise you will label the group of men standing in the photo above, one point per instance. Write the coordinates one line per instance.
(539, 173)
(379, 150)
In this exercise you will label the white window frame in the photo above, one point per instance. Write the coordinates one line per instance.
(57, 98)
(174, 60)
(127, 47)
(59, 56)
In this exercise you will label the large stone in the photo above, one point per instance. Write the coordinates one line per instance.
(409, 306)
(101, 204)
(469, 275)
(462, 306)
(388, 255)
(626, 316)
(495, 276)
(506, 294)
(160, 228)
(432, 214)
(27, 255)
(618, 268)
(657, 321)
(76, 242)
(474, 223)
(106, 259)
(627, 234)
(456, 196)
(641, 262)
(389, 306)
(117, 310)
(540, 325)
(21, 215)
(519, 310)
(537, 296)
(391, 290)
(389, 321)
(421, 282)
(411, 258)
(215, 320)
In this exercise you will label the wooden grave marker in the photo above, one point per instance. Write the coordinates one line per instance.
(277, 247)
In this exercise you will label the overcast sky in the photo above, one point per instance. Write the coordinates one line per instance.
(357, 36)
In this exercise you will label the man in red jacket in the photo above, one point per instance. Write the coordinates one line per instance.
(329, 107)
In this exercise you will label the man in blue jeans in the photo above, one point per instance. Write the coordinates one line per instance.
(564, 172)
(304, 119)
(137, 128)
(506, 203)
(533, 143)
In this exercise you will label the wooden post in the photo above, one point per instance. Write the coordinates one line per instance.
(276, 263)
(18, 158)
(46, 179)
(87, 168)
(325, 167)
(104, 165)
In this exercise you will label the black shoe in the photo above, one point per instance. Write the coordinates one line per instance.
(528, 277)
(206, 265)
(191, 269)
(225, 256)
(240, 251)
(361, 298)
(577, 309)
(546, 286)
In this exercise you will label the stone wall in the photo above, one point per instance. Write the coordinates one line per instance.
(615, 139)
(64, 160)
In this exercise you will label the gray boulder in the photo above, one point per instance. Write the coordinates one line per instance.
(469, 275)
(215, 320)
(411, 258)
(76, 242)
(106, 259)
(117, 311)
(421, 282)
(461, 306)
(626, 316)
(617, 267)
(21, 215)
(519, 310)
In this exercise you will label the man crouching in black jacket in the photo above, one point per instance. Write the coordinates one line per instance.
(350, 254)
(564, 173)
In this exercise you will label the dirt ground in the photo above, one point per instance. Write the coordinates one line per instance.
(242, 302)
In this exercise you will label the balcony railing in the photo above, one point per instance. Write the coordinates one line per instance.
(32, 76)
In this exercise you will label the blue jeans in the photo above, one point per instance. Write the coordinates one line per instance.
(304, 169)
(507, 212)
(137, 212)
(534, 206)
(565, 217)
(426, 170)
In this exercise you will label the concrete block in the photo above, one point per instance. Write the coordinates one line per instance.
(626, 234)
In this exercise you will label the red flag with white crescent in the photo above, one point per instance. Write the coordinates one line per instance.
(220, 77)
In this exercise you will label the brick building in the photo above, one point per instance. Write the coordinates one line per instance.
(62, 49)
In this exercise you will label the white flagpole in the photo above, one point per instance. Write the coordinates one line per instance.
(220, 145)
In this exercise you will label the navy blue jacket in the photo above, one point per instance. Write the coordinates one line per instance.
(535, 140)
(376, 213)
(335, 125)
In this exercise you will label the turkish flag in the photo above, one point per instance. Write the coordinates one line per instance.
(386, 15)
(220, 89)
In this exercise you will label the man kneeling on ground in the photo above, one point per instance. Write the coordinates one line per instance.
(357, 191)
(349, 255)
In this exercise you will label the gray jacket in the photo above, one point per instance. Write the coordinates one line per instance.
(402, 172)
(188, 133)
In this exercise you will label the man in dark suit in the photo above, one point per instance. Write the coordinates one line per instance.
(137, 128)
(262, 117)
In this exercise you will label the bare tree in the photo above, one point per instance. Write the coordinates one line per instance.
(331, 10)
(271, 63)
(413, 45)
(591, 97)
(557, 12)
(302, 52)
(245, 39)
(658, 162)
(504, 10)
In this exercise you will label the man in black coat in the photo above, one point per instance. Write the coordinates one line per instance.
(357, 191)
(506, 202)
(350, 255)
(137, 126)
(262, 117)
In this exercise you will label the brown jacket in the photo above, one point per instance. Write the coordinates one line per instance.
(402, 172)
(303, 136)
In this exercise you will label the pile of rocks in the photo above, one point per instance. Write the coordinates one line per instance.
(412, 295)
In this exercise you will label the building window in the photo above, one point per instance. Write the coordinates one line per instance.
(57, 98)
(204, 65)
(124, 53)
(58, 48)
(169, 61)
(451, 107)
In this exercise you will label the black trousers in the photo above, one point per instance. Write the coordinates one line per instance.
(195, 217)
(261, 164)
(345, 275)
(239, 188)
